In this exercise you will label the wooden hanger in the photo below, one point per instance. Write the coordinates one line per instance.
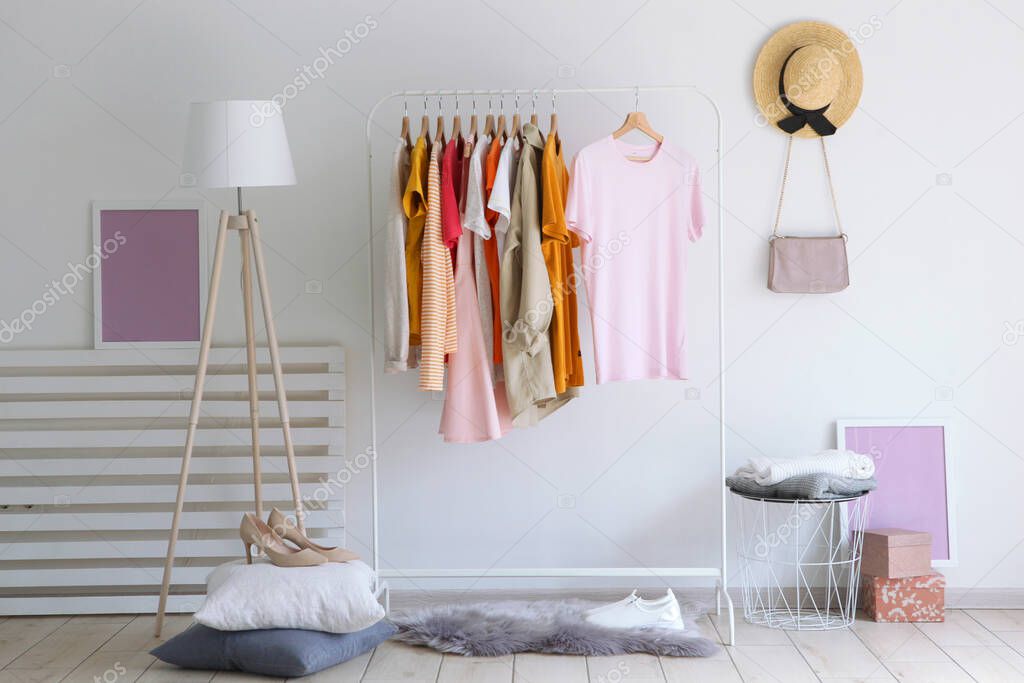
(489, 121)
(456, 122)
(533, 114)
(405, 131)
(554, 117)
(637, 120)
(405, 126)
(500, 127)
(425, 123)
(473, 140)
(517, 124)
(439, 135)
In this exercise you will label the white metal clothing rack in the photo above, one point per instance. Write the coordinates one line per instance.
(718, 573)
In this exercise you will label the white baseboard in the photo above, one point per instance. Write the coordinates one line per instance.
(956, 598)
(984, 598)
(97, 604)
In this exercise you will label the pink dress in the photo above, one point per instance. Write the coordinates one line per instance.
(473, 410)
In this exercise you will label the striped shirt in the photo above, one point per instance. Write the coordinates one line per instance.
(437, 325)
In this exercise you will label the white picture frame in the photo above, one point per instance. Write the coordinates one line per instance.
(948, 427)
(203, 268)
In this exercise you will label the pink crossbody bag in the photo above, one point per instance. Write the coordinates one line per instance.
(807, 265)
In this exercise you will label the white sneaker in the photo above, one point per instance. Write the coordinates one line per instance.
(635, 612)
(612, 605)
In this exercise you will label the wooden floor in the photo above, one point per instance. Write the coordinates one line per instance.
(978, 645)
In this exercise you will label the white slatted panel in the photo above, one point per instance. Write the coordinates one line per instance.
(91, 445)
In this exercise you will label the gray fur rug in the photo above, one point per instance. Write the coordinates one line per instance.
(491, 629)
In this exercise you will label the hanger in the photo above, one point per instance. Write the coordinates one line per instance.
(471, 141)
(439, 136)
(473, 120)
(405, 125)
(501, 131)
(489, 121)
(425, 123)
(533, 114)
(517, 125)
(456, 121)
(554, 117)
(637, 120)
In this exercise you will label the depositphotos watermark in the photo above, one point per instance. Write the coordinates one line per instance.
(330, 486)
(327, 489)
(313, 71)
(543, 309)
(57, 289)
(1013, 332)
(112, 675)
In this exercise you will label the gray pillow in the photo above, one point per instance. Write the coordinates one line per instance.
(282, 652)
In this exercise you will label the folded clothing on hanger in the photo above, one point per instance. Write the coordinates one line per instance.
(837, 463)
(817, 486)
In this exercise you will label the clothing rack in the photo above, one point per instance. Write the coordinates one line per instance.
(717, 573)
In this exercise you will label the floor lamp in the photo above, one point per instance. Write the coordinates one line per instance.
(236, 143)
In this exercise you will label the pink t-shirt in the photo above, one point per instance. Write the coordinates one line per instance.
(636, 219)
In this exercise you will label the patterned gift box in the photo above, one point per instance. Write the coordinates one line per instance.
(913, 598)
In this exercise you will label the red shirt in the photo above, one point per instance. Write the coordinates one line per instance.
(451, 187)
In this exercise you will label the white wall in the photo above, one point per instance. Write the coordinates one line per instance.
(95, 95)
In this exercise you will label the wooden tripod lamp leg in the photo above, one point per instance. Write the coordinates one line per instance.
(250, 355)
(275, 362)
(193, 416)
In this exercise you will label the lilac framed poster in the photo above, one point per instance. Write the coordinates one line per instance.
(914, 464)
(148, 262)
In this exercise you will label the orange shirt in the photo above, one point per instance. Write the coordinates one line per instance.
(556, 245)
(491, 244)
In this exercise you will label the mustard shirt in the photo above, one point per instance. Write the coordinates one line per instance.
(414, 202)
(557, 244)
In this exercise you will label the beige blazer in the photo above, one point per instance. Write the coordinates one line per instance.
(526, 303)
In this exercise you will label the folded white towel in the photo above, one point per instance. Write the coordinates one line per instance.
(767, 472)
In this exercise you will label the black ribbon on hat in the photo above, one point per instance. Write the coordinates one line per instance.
(815, 118)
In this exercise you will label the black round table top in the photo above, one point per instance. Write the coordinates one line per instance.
(843, 499)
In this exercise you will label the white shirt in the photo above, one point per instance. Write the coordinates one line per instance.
(474, 220)
(473, 215)
(504, 181)
(396, 295)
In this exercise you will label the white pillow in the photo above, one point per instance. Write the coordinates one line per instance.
(336, 597)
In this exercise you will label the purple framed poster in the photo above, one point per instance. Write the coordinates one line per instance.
(914, 465)
(148, 262)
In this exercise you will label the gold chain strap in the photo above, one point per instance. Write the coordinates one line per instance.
(831, 186)
(785, 177)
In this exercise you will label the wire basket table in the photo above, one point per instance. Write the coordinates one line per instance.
(800, 560)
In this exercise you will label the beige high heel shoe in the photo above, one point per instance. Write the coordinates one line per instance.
(286, 529)
(254, 531)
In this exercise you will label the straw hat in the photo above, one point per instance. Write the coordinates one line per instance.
(817, 67)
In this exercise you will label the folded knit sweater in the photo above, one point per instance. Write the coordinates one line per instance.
(804, 487)
(845, 463)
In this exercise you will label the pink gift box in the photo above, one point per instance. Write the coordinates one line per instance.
(914, 598)
(896, 553)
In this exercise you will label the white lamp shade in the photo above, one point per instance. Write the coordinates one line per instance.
(237, 143)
